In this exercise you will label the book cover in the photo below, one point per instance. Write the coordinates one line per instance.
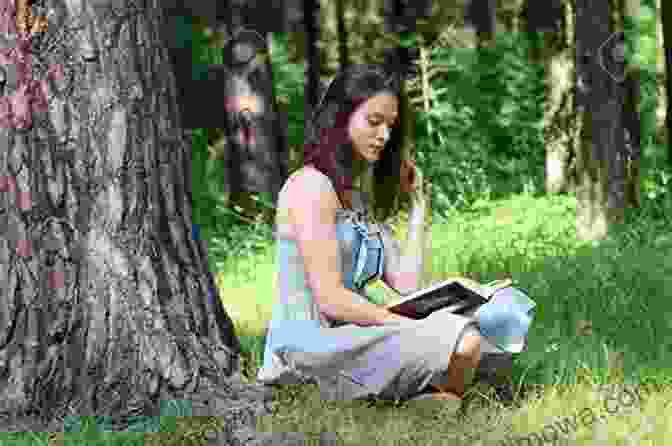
(458, 295)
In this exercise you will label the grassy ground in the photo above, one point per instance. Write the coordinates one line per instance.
(597, 369)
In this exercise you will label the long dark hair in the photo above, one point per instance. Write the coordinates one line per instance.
(329, 148)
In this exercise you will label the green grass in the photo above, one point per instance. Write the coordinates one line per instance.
(603, 317)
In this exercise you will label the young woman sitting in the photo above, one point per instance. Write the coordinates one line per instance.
(332, 240)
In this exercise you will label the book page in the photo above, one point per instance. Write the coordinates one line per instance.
(486, 291)
(467, 283)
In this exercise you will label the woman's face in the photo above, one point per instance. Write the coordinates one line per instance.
(371, 124)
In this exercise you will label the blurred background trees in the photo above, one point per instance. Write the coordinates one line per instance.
(493, 86)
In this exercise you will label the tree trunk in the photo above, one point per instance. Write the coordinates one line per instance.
(545, 16)
(482, 14)
(633, 138)
(342, 35)
(554, 52)
(601, 152)
(257, 158)
(661, 89)
(104, 293)
(632, 123)
(666, 22)
(236, 97)
(312, 51)
(424, 74)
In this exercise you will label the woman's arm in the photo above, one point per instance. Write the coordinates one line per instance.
(403, 272)
(312, 213)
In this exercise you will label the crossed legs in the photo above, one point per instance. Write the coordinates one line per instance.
(463, 364)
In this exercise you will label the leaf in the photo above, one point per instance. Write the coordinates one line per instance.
(584, 328)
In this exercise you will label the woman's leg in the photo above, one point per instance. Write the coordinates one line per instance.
(463, 363)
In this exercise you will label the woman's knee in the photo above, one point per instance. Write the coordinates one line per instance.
(464, 363)
(469, 346)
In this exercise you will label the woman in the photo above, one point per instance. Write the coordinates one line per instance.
(332, 241)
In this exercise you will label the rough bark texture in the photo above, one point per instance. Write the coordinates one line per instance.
(601, 157)
(104, 305)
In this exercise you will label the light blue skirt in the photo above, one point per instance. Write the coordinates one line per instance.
(395, 361)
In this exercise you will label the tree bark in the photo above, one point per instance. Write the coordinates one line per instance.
(313, 89)
(601, 152)
(554, 52)
(633, 138)
(342, 35)
(666, 21)
(545, 16)
(482, 14)
(257, 158)
(104, 293)
(632, 123)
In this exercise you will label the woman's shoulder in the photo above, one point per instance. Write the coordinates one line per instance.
(303, 189)
(306, 186)
(307, 179)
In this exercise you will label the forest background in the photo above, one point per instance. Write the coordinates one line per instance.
(492, 120)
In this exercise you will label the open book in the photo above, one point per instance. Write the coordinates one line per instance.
(460, 295)
(503, 312)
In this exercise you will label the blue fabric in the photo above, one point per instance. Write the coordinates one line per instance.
(367, 254)
(295, 322)
(505, 319)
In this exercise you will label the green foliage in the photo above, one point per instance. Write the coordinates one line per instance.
(230, 235)
(645, 27)
(482, 139)
(227, 233)
(288, 85)
(657, 174)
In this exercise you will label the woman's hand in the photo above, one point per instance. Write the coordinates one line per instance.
(411, 180)
(394, 318)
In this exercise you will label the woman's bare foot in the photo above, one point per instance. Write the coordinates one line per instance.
(444, 396)
(447, 401)
(436, 393)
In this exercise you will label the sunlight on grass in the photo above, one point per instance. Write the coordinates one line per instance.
(578, 341)
(588, 415)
